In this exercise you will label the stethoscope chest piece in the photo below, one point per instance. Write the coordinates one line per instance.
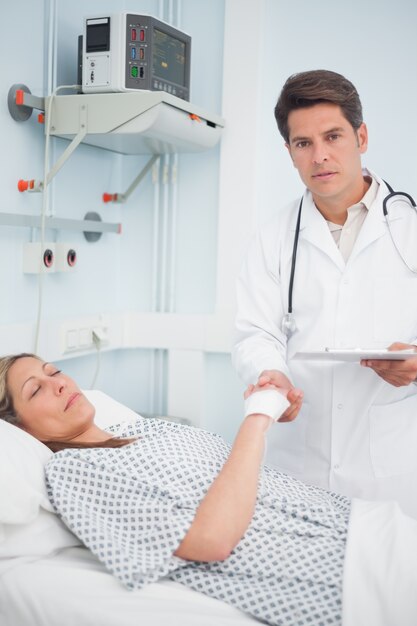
(288, 325)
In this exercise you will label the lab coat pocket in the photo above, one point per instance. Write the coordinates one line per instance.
(286, 446)
(393, 437)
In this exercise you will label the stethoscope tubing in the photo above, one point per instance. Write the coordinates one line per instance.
(294, 257)
(289, 318)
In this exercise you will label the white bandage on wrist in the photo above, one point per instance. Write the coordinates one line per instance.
(269, 402)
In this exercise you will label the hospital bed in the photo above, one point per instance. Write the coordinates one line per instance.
(47, 577)
(73, 589)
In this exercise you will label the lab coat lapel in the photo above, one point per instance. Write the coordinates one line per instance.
(373, 227)
(315, 230)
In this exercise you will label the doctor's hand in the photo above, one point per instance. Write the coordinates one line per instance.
(396, 373)
(275, 378)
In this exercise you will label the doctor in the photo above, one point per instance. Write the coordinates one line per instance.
(354, 427)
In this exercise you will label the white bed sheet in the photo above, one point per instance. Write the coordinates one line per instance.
(73, 589)
(380, 575)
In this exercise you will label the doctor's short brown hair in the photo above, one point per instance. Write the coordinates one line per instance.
(306, 89)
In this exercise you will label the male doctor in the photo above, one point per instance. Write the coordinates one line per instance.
(351, 427)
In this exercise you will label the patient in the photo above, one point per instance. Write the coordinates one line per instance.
(157, 499)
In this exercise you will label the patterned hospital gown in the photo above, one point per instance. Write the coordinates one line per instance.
(132, 507)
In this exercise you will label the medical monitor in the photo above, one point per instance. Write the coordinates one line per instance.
(127, 52)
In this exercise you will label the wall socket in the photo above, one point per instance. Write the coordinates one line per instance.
(38, 258)
(65, 257)
(84, 337)
(49, 257)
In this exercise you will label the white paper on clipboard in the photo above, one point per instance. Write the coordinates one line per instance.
(354, 354)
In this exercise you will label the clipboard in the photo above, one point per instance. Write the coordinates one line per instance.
(353, 355)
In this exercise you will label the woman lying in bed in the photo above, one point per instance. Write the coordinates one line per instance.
(157, 499)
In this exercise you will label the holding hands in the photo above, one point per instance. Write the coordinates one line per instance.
(273, 395)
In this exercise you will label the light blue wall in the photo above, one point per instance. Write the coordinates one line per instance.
(115, 274)
(374, 44)
(91, 171)
(21, 151)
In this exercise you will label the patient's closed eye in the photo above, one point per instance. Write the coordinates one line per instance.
(51, 370)
(38, 387)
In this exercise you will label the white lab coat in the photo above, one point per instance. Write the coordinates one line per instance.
(355, 434)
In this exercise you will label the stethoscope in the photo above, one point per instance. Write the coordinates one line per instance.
(288, 325)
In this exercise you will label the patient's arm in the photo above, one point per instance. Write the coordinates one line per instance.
(225, 512)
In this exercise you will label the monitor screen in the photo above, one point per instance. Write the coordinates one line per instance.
(98, 35)
(168, 61)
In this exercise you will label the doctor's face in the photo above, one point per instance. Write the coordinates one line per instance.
(326, 150)
(48, 403)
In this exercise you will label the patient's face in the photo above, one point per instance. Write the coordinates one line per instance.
(49, 404)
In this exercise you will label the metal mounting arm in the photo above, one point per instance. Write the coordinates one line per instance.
(72, 146)
(122, 197)
(21, 103)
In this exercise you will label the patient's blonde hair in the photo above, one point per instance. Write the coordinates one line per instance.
(7, 411)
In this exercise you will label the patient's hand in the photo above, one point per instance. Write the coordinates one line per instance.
(250, 389)
(293, 395)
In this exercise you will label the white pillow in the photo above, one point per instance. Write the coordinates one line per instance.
(109, 411)
(22, 489)
(27, 522)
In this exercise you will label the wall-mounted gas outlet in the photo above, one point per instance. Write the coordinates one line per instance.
(38, 258)
(65, 257)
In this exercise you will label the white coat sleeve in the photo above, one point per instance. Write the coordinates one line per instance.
(259, 342)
